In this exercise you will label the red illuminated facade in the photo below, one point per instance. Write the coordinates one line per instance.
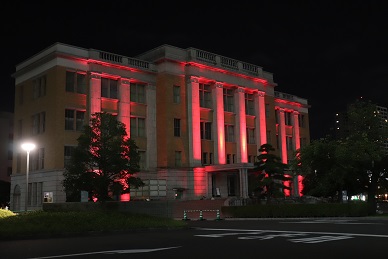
(198, 119)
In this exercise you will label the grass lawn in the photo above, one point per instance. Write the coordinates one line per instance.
(41, 223)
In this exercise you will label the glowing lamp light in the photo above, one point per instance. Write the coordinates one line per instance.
(27, 147)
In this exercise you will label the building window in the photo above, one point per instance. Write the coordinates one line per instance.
(137, 92)
(206, 130)
(249, 104)
(228, 158)
(75, 82)
(37, 159)
(142, 161)
(178, 158)
(39, 87)
(267, 111)
(152, 188)
(277, 116)
(229, 133)
(288, 118)
(251, 136)
(233, 158)
(68, 153)
(204, 158)
(74, 119)
(210, 158)
(268, 137)
(205, 97)
(109, 88)
(137, 127)
(176, 94)
(38, 123)
(228, 100)
(289, 144)
(177, 127)
(301, 120)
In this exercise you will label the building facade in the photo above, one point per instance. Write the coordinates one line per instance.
(198, 119)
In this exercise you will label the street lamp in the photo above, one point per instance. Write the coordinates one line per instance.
(27, 147)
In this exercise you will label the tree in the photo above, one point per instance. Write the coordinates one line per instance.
(353, 162)
(271, 173)
(325, 167)
(368, 133)
(104, 161)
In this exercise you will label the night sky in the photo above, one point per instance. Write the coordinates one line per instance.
(328, 52)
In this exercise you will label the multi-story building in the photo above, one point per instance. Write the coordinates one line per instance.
(198, 119)
(6, 140)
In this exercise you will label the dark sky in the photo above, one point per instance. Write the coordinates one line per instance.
(329, 52)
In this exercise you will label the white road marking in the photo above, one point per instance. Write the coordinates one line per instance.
(129, 251)
(336, 221)
(284, 231)
(313, 240)
(270, 234)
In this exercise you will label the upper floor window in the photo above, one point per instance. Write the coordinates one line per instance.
(267, 111)
(109, 88)
(288, 118)
(38, 123)
(39, 87)
(68, 153)
(301, 119)
(177, 127)
(206, 130)
(249, 104)
(137, 92)
(74, 119)
(289, 143)
(251, 136)
(37, 159)
(137, 127)
(228, 100)
(205, 95)
(176, 94)
(75, 82)
(229, 133)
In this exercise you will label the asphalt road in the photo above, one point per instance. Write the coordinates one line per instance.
(277, 238)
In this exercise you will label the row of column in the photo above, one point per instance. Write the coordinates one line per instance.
(218, 120)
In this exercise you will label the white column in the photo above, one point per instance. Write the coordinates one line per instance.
(241, 126)
(193, 122)
(243, 173)
(124, 105)
(219, 124)
(261, 122)
(94, 93)
(296, 130)
(282, 135)
(151, 154)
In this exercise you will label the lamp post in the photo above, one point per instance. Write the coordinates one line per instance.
(27, 147)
